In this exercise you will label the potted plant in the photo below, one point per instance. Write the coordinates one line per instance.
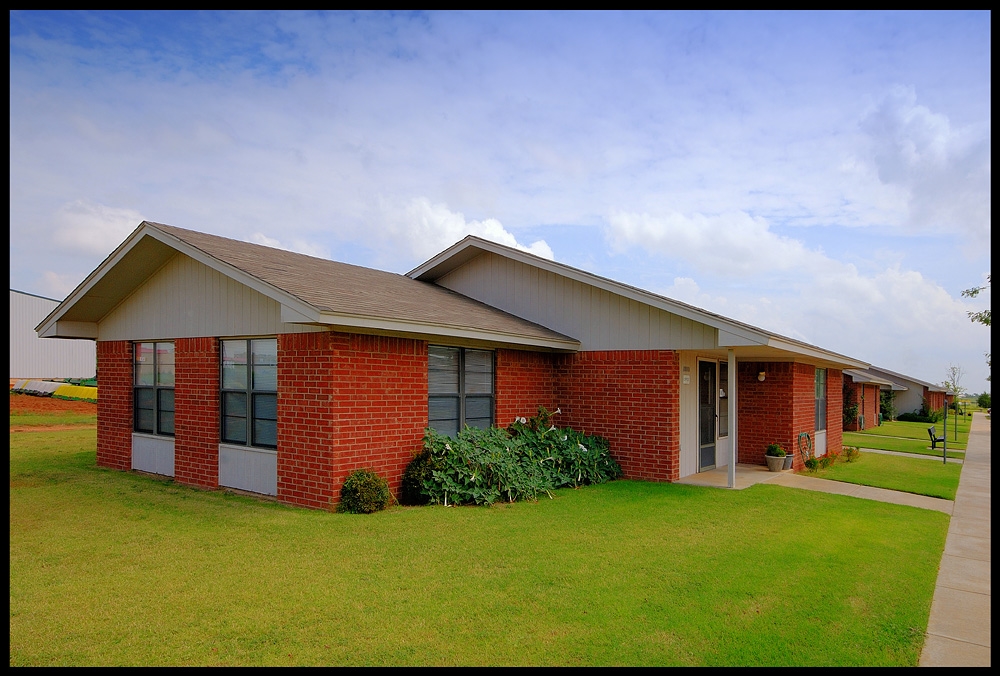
(775, 457)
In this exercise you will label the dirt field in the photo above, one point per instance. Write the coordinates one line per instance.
(25, 403)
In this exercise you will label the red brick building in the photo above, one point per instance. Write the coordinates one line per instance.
(863, 395)
(229, 364)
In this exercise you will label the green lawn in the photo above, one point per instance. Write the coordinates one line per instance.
(913, 430)
(898, 473)
(115, 568)
(896, 444)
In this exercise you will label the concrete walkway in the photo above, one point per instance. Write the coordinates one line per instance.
(958, 630)
(936, 458)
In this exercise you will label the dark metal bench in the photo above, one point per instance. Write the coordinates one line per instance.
(935, 439)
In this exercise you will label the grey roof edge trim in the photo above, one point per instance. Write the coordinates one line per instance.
(864, 377)
(257, 284)
(35, 295)
(443, 330)
(782, 343)
(457, 254)
(931, 386)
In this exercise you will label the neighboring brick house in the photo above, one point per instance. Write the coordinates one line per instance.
(225, 363)
(864, 390)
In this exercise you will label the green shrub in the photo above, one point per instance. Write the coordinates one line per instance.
(529, 458)
(825, 461)
(363, 492)
(851, 453)
(775, 450)
(419, 471)
(812, 464)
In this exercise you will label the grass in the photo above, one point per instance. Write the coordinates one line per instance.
(915, 430)
(911, 437)
(116, 568)
(897, 444)
(910, 475)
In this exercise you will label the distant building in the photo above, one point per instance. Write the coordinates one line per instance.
(32, 357)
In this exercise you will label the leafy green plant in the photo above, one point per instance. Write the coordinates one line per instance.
(363, 492)
(775, 450)
(851, 453)
(850, 405)
(825, 461)
(812, 464)
(531, 457)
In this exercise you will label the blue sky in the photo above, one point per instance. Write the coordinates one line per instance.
(822, 175)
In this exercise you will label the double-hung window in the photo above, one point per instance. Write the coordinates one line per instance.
(250, 392)
(153, 388)
(459, 388)
(820, 400)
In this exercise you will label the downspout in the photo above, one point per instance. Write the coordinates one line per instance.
(733, 424)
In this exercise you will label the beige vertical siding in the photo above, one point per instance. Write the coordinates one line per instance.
(689, 414)
(34, 357)
(599, 319)
(186, 299)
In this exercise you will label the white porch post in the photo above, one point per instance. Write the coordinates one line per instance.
(733, 426)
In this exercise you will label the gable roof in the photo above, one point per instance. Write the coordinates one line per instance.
(731, 333)
(867, 377)
(310, 290)
(892, 375)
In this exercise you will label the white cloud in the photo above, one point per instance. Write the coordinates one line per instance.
(424, 229)
(91, 228)
(943, 173)
(732, 243)
(58, 286)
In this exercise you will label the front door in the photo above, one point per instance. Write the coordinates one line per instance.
(707, 414)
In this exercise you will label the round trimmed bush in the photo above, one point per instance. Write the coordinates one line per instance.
(364, 492)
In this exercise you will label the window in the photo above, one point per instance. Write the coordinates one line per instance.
(820, 400)
(153, 391)
(250, 392)
(460, 389)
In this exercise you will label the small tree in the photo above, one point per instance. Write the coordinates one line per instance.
(850, 405)
(887, 404)
(983, 400)
(984, 317)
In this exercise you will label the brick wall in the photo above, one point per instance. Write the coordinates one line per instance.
(196, 417)
(114, 405)
(524, 381)
(935, 400)
(782, 407)
(630, 397)
(346, 402)
(765, 409)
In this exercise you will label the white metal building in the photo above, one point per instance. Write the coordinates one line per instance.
(33, 357)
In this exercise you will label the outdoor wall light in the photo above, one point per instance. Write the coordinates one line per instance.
(761, 376)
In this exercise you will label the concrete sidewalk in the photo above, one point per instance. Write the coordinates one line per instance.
(958, 630)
